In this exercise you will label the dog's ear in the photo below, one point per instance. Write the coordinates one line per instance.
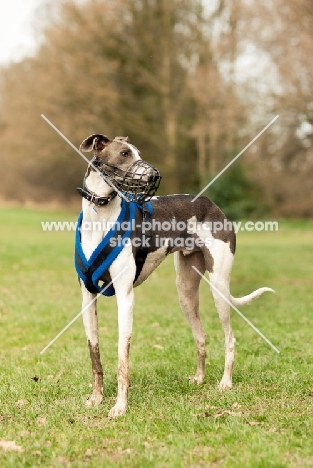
(119, 138)
(94, 142)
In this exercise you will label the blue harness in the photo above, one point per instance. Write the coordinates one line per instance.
(90, 271)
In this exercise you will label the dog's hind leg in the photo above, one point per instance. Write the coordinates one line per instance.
(90, 320)
(187, 282)
(220, 279)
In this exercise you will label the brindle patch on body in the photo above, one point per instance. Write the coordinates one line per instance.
(181, 209)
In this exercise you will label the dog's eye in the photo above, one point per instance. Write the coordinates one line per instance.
(124, 153)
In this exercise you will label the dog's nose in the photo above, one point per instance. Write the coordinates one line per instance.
(152, 178)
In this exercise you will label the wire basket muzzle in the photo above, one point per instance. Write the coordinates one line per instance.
(138, 183)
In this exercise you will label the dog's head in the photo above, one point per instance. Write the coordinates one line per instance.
(120, 161)
(118, 152)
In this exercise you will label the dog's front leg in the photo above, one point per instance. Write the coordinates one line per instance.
(125, 322)
(90, 320)
(125, 301)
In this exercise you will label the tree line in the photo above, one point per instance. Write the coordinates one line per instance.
(191, 82)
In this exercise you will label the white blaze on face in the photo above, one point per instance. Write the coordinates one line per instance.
(134, 151)
(136, 156)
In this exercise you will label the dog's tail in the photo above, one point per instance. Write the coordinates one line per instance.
(241, 301)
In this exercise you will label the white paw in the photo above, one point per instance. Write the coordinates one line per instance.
(198, 379)
(94, 400)
(117, 410)
(225, 384)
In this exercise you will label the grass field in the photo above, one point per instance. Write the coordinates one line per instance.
(265, 421)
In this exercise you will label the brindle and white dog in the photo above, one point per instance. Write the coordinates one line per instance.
(217, 259)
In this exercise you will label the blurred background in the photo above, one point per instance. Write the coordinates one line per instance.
(191, 82)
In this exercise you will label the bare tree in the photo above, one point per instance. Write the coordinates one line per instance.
(190, 82)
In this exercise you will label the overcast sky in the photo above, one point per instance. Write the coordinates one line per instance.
(16, 37)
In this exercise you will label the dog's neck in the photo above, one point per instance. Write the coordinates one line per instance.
(97, 185)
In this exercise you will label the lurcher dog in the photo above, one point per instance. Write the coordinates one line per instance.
(176, 225)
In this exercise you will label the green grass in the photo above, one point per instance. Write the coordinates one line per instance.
(265, 421)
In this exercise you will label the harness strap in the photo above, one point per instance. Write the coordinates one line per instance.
(146, 236)
(90, 271)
